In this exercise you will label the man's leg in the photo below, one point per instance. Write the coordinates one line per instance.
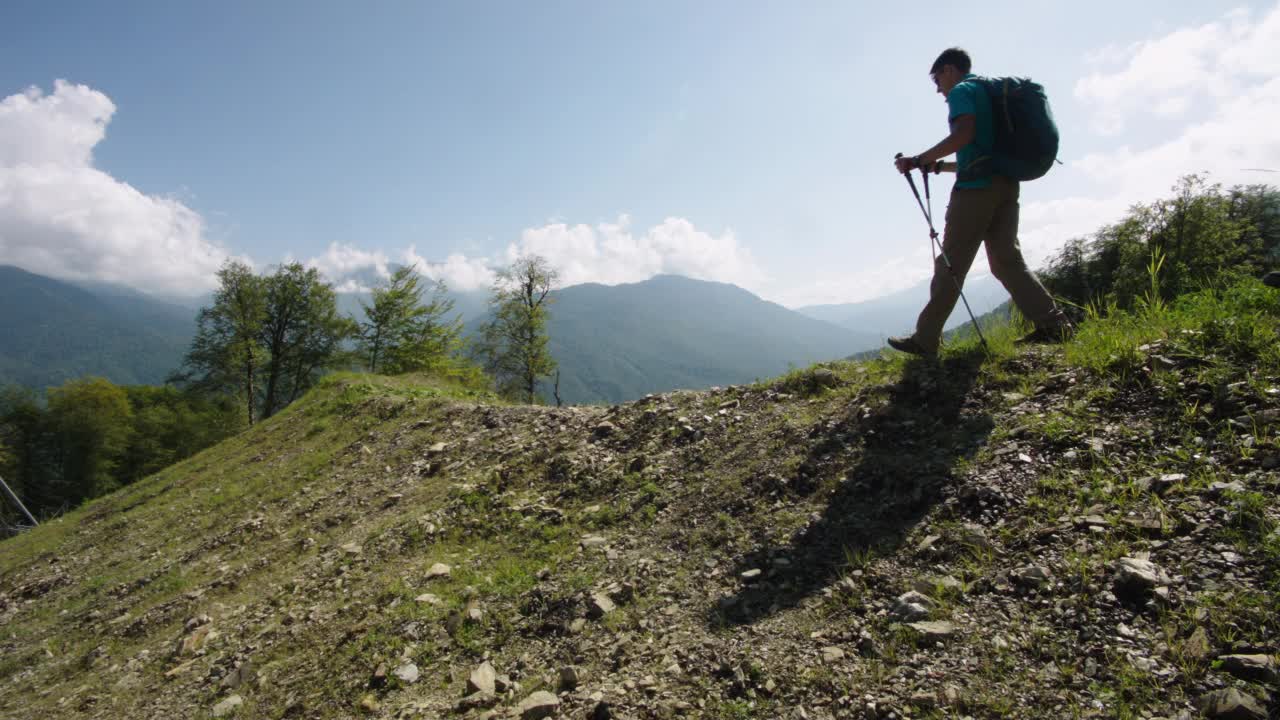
(1009, 267)
(968, 216)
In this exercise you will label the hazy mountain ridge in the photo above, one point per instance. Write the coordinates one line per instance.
(52, 331)
(896, 312)
(613, 343)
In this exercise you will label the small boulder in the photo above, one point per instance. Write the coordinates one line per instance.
(1258, 668)
(1231, 704)
(1136, 578)
(570, 676)
(599, 606)
(438, 570)
(539, 705)
(407, 673)
(832, 654)
(1035, 576)
(934, 630)
(912, 606)
(228, 707)
(482, 679)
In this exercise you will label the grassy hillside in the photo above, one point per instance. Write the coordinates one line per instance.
(1083, 531)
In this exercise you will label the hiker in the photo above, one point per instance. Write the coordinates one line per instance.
(983, 209)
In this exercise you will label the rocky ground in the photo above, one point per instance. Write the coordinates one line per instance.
(1009, 537)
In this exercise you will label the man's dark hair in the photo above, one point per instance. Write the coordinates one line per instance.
(952, 56)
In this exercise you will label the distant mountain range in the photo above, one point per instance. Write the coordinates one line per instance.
(896, 313)
(613, 343)
(52, 331)
(619, 342)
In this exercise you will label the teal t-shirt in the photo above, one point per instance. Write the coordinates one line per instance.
(968, 98)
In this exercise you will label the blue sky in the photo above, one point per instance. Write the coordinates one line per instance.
(748, 142)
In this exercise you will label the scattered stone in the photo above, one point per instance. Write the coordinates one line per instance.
(1231, 704)
(591, 541)
(228, 707)
(379, 677)
(831, 654)
(369, 705)
(934, 630)
(407, 673)
(438, 570)
(242, 675)
(927, 543)
(825, 378)
(599, 606)
(483, 679)
(570, 676)
(428, 598)
(352, 548)
(1197, 646)
(1222, 488)
(1136, 578)
(476, 701)
(912, 606)
(604, 429)
(934, 586)
(197, 621)
(1036, 576)
(752, 574)
(194, 642)
(1259, 668)
(975, 535)
(437, 448)
(539, 705)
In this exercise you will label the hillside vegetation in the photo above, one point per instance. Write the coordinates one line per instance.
(1085, 530)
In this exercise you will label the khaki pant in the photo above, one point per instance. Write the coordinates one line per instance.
(975, 216)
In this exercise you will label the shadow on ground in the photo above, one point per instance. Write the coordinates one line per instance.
(895, 463)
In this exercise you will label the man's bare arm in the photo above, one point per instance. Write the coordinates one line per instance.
(963, 128)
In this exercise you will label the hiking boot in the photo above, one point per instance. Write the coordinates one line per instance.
(911, 346)
(1056, 334)
(1272, 279)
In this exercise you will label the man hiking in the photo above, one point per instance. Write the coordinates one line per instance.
(983, 209)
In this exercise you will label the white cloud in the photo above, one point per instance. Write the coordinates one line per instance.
(607, 253)
(458, 271)
(61, 216)
(611, 253)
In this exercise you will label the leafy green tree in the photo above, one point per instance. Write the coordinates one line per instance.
(92, 422)
(170, 424)
(1199, 236)
(29, 465)
(302, 333)
(401, 333)
(227, 353)
(513, 343)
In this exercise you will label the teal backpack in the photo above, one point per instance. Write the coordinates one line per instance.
(1026, 137)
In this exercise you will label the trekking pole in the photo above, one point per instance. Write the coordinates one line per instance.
(933, 240)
